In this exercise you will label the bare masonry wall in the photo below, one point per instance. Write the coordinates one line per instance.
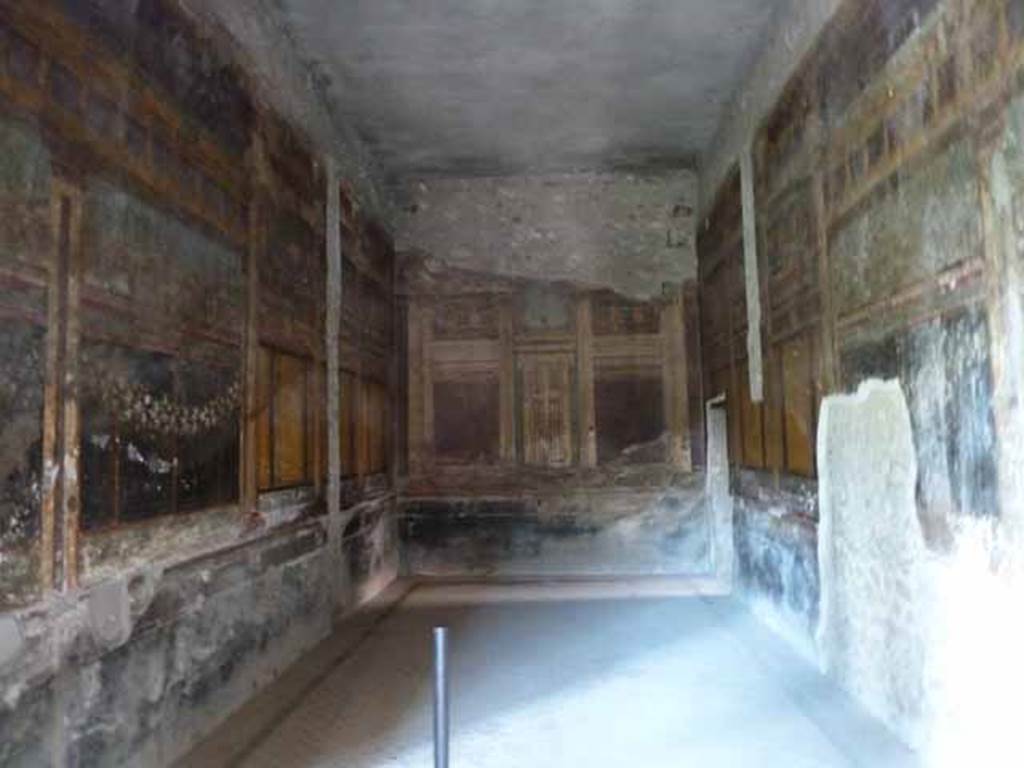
(627, 231)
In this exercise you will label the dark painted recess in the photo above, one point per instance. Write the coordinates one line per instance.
(628, 412)
(467, 420)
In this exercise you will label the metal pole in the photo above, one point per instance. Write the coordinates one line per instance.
(440, 697)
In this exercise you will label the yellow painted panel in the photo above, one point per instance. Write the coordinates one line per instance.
(264, 370)
(346, 424)
(774, 451)
(751, 416)
(546, 423)
(290, 465)
(362, 428)
(799, 406)
(378, 427)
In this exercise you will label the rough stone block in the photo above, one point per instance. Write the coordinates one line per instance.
(109, 613)
(11, 640)
(871, 551)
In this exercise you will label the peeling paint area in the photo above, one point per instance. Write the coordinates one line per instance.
(944, 365)
(777, 566)
(631, 232)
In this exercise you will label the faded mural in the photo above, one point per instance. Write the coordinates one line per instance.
(158, 233)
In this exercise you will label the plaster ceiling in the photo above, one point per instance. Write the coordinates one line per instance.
(483, 86)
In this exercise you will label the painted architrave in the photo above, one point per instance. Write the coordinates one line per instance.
(585, 382)
(332, 331)
(673, 365)
(507, 383)
(254, 252)
(61, 497)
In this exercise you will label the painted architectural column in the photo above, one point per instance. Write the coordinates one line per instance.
(673, 362)
(254, 251)
(419, 387)
(507, 383)
(61, 500)
(332, 234)
(585, 382)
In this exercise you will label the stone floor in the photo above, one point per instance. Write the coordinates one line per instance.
(561, 676)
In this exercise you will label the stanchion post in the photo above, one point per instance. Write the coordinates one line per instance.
(440, 697)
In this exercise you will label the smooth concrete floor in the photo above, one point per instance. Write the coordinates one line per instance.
(587, 676)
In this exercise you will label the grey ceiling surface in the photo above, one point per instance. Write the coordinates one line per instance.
(463, 86)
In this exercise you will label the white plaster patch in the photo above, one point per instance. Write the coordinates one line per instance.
(871, 553)
(717, 493)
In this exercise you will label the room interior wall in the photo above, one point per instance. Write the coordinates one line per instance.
(548, 429)
(165, 543)
(886, 195)
(630, 230)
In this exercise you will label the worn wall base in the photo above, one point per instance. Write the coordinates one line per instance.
(574, 532)
(777, 570)
(134, 670)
